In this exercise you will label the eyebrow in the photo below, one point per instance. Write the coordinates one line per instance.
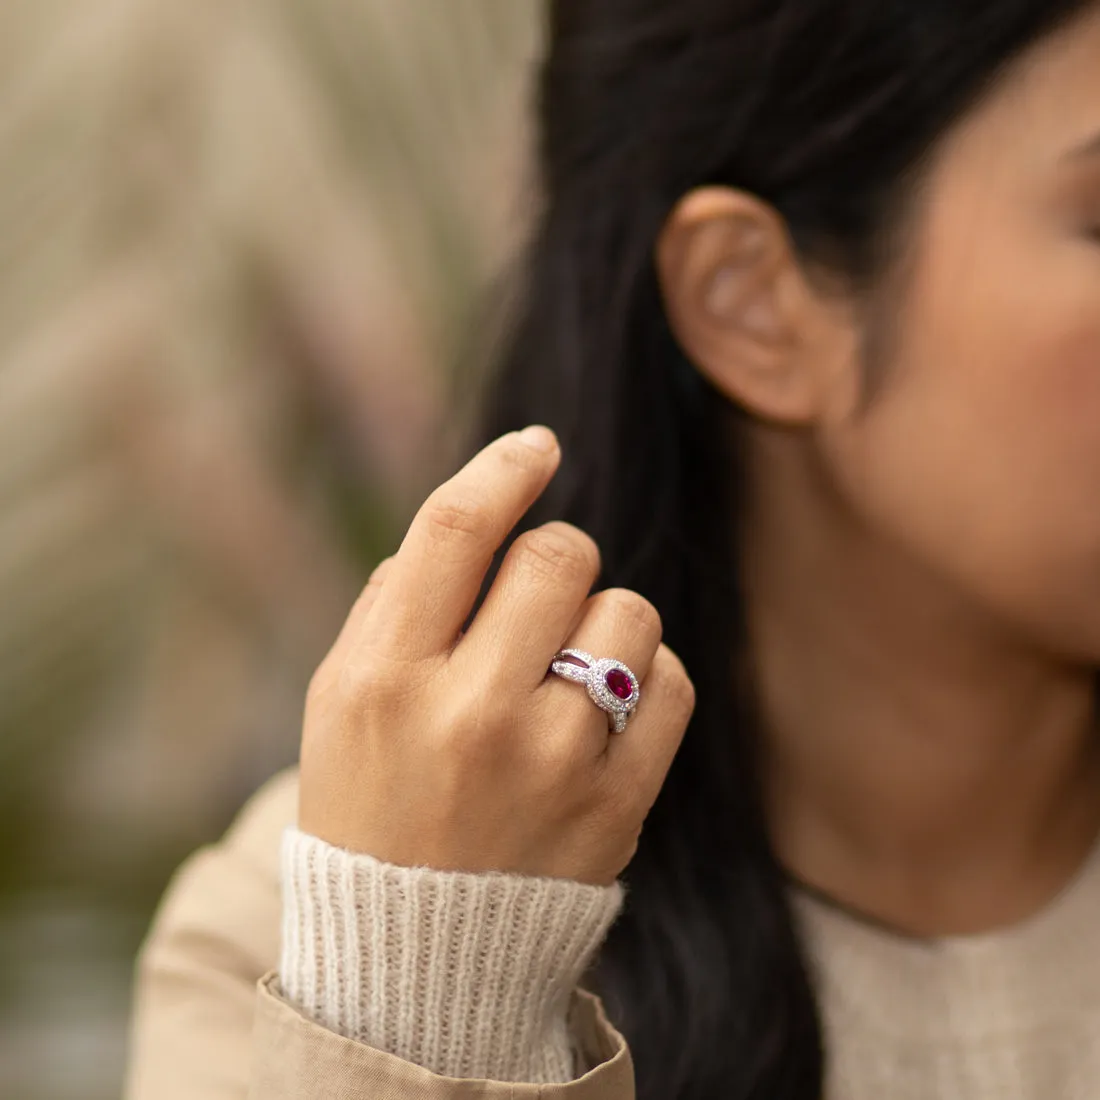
(1090, 148)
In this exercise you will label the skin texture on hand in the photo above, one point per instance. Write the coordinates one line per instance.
(422, 747)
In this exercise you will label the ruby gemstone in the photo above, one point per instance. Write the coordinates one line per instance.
(619, 683)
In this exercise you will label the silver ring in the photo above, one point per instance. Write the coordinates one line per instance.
(611, 685)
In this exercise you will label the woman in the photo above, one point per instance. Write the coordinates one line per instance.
(814, 309)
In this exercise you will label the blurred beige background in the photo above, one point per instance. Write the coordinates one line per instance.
(243, 244)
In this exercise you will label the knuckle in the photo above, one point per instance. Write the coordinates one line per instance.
(359, 684)
(633, 610)
(453, 519)
(562, 759)
(560, 548)
(471, 722)
(374, 680)
(677, 684)
(464, 749)
(378, 573)
(586, 544)
(468, 747)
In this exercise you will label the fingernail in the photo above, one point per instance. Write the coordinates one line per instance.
(539, 437)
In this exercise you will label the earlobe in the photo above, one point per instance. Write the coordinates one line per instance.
(730, 283)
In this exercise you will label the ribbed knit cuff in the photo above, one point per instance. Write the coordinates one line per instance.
(468, 975)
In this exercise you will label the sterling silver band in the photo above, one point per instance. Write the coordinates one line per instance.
(611, 685)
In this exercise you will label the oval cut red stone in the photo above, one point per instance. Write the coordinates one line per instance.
(619, 683)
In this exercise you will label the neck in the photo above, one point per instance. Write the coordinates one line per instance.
(920, 765)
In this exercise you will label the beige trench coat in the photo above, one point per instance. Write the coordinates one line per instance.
(209, 1022)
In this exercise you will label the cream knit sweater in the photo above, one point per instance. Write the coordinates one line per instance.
(470, 975)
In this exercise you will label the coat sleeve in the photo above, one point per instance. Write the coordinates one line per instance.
(210, 1021)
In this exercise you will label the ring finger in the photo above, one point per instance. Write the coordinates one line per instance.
(616, 623)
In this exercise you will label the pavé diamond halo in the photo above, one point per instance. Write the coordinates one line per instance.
(611, 685)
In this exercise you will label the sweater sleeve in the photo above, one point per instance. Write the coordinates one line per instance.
(211, 1020)
(467, 975)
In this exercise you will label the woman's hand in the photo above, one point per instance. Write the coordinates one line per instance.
(423, 746)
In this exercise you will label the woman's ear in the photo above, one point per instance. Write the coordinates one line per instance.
(741, 307)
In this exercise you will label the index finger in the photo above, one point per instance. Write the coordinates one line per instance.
(438, 570)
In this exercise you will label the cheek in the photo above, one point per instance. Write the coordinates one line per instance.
(981, 454)
(1031, 387)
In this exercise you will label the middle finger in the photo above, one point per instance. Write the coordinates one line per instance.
(535, 598)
